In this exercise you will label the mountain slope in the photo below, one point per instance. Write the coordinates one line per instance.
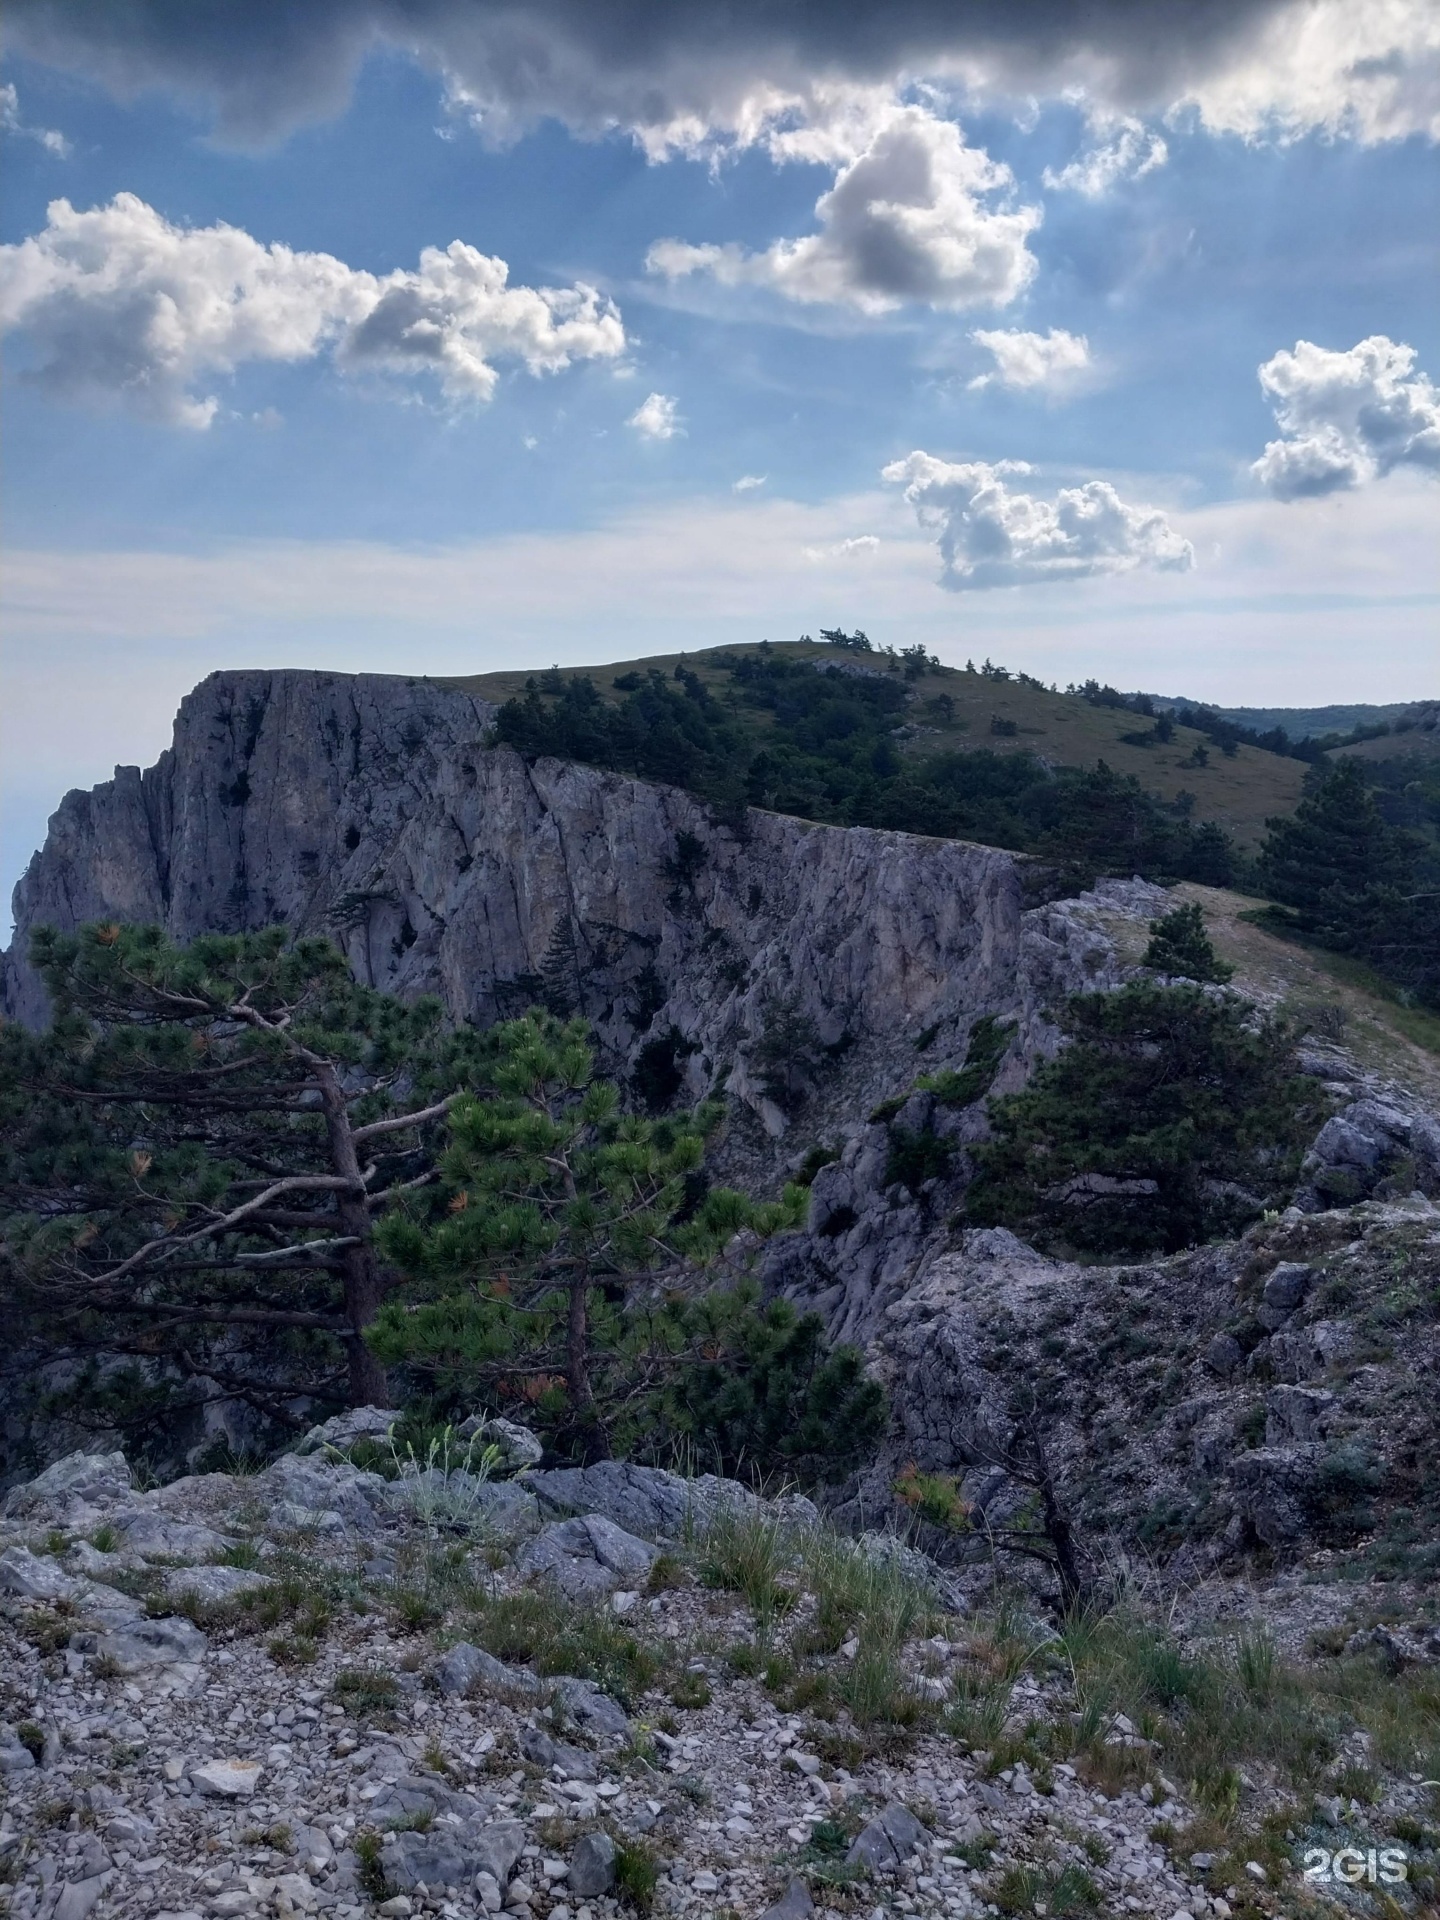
(1004, 715)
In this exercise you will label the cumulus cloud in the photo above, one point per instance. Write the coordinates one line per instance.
(11, 122)
(657, 417)
(1347, 418)
(125, 306)
(748, 482)
(917, 217)
(1124, 149)
(990, 536)
(680, 78)
(1049, 362)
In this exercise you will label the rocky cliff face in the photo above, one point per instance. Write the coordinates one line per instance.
(370, 808)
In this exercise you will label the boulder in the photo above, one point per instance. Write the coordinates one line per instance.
(158, 1536)
(592, 1867)
(451, 1856)
(582, 1702)
(342, 1430)
(886, 1843)
(1296, 1414)
(517, 1446)
(540, 1750)
(88, 1479)
(146, 1643)
(649, 1502)
(465, 1668)
(31, 1576)
(1283, 1292)
(1270, 1485)
(213, 1586)
(588, 1558)
(1224, 1354)
(502, 1511)
(794, 1904)
(226, 1779)
(15, 1757)
(316, 1492)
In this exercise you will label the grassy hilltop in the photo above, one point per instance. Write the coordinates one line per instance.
(1240, 791)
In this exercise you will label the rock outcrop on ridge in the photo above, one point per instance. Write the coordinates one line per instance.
(370, 809)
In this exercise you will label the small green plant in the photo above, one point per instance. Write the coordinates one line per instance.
(32, 1738)
(293, 1650)
(637, 1871)
(935, 1497)
(751, 1554)
(667, 1573)
(105, 1539)
(368, 1868)
(691, 1692)
(366, 1690)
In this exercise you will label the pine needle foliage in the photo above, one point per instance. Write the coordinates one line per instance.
(194, 1155)
(556, 1212)
(1174, 1115)
(1180, 946)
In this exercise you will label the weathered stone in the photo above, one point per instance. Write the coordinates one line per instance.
(465, 1668)
(147, 1643)
(213, 1586)
(91, 1478)
(1223, 1354)
(517, 1446)
(582, 1702)
(157, 1535)
(587, 1558)
(342, 1430)
(540, 1750)
(592, 1866)
(15, 1757)
(649, 1502)
(313, 1487)
(886, 1842)
(1296, 1414)
(449, 1856)
(794, 1904)
(31, 1576)
(226, 1779)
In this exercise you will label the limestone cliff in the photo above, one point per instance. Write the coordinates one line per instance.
(370, 808)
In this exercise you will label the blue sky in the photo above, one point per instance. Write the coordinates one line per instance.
(245, 423)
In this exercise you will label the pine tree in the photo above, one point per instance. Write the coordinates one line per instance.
(194, 1156)
(1179, 945)
(554, 1210)
(1173, 1115)
(1336, 864)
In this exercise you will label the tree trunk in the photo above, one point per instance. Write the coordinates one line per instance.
(577, 1345)
(364, 1284)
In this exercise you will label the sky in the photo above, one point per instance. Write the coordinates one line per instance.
(444, 335)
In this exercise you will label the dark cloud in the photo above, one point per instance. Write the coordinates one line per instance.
(264, 66)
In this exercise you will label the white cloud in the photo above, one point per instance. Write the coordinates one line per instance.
(1367, 71)
(1347, 418)
(657, 417)
(1124, 149)
(991, 537)
(912, 218)
(10, 122)
(857, 546)
(748, 482)
(1053, 362)
(126, 306)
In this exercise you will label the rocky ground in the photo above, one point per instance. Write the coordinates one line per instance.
(573, 1693)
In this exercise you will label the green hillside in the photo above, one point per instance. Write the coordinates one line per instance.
(950, 710)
